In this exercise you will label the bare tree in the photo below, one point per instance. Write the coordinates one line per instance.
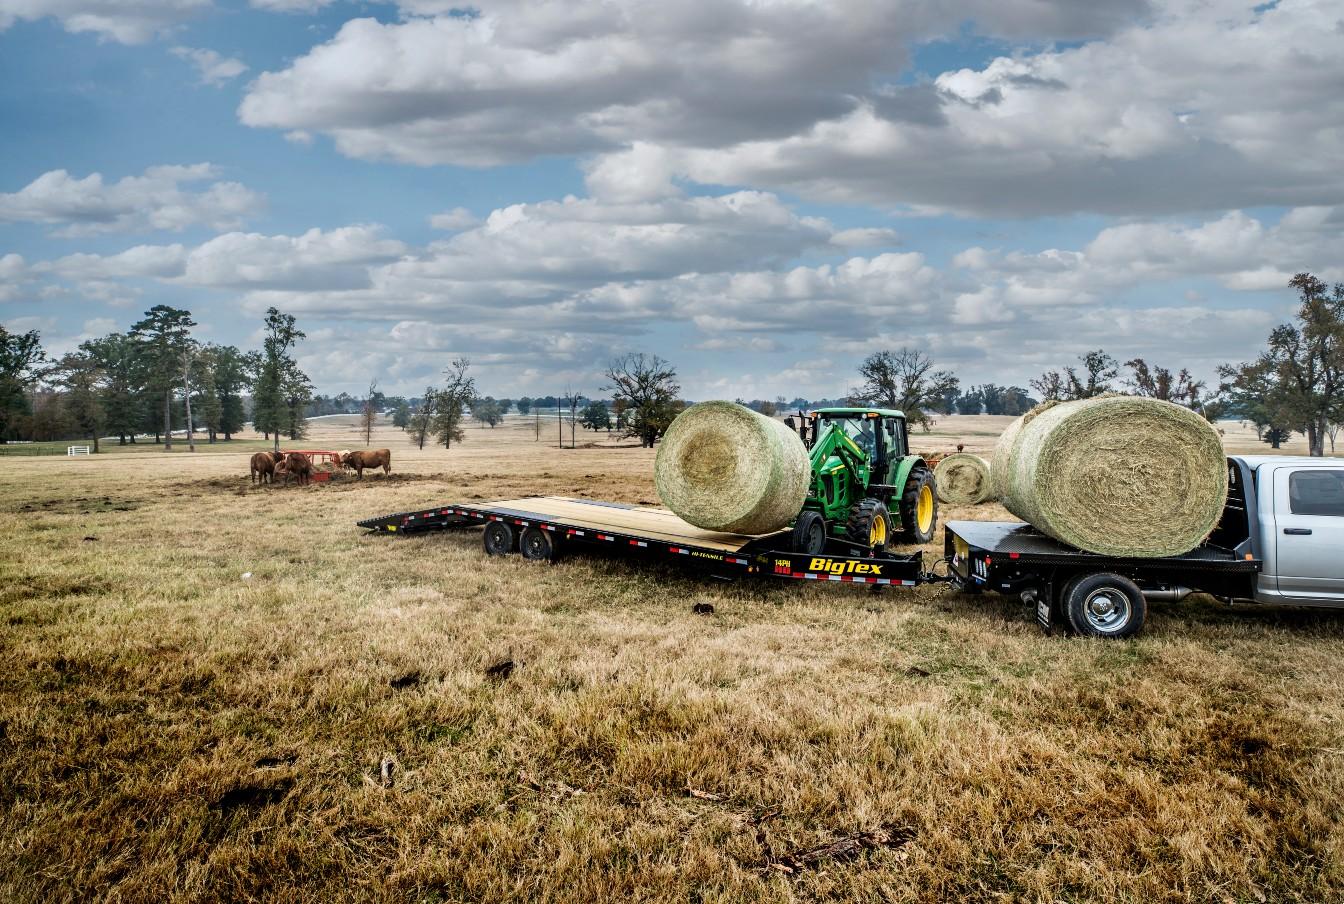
(1160, 383)
(648, 386)
(368, 415)
(451, 401)
(1099, 369)
(421, 422)
(905, 380)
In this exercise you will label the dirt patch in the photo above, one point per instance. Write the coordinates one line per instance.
(82, 505)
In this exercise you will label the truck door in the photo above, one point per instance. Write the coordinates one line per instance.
(1309, 532)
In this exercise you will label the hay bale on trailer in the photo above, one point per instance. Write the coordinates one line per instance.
(963, 479)
(724, 467)
(1114, 475)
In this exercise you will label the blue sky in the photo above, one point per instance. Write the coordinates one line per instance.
(761, 193)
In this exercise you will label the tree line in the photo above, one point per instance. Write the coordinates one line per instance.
(153, 380)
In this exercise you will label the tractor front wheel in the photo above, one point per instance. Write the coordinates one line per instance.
(919, 507)
(869, 525)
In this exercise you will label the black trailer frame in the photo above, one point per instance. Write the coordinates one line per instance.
(758, 556)
(1014, 558)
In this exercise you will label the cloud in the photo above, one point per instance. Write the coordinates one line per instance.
(213, 68)
(124, 21)
(520, 80)
(155, 200)
(454, 220)
(870, 237)
(290, 6)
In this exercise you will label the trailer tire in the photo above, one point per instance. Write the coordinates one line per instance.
(919, 507)
(499, 539)
(537, 545)
(1103, 605)
(809, 534)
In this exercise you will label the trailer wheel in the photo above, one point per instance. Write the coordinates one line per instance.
(499, 539)
(809, 533)
(1104, 605)
(536, 544)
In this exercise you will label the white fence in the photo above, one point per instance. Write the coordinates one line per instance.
(79, 450)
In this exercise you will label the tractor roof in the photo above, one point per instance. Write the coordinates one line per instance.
(884, 412)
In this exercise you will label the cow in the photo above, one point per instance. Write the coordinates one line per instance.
(277, 456)
(263, 467)
(298, 465)
(369, 458)
(281, 472)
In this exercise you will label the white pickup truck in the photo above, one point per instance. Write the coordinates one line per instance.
(1280, 540)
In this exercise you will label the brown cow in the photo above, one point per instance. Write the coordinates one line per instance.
(263, 467)
(300, 466)
(281, 472)
(366, 458)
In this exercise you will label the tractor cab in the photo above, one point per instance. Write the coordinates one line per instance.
(866, 486)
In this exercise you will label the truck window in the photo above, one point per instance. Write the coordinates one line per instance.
(1316, 492)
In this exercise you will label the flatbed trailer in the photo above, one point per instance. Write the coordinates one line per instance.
(544, 527)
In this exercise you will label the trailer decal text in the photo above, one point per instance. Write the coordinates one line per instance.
(845, 566)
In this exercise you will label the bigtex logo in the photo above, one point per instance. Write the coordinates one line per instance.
(843, 566)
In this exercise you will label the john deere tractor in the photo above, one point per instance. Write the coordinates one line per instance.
(867, 489)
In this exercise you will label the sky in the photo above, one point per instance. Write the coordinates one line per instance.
(762, 192)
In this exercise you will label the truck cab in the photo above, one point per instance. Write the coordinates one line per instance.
(1290, 509)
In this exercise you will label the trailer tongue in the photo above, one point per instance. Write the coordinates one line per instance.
(541, 527)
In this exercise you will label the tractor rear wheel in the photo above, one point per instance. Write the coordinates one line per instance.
(809, 533)
(919, 507)
(869, 525)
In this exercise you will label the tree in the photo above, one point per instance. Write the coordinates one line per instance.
(208, 404)
(1099, 370)
(165, 336)
(1003, 400)
(368, 415)
(233, 374)
(905, 380)
(487, 411)
(451, 401)
(524, 405)
(277, 380)
(116, 356)
(648, 386)
(1160, 383)
(596, 417)
(420, 423)
(298, 391)
(83, 379)
(401, 415)
(1299, 380)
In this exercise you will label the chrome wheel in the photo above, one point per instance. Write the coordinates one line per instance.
(1106, 610)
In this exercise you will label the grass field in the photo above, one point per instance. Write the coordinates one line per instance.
(214, 691)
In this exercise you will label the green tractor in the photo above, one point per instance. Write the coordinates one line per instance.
(866, 486)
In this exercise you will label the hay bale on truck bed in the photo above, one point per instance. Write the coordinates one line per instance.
(724, 467)
(1115, 475)
(962, 478)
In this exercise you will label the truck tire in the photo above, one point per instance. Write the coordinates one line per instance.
(499, 539)
(869, 525)
(537, 544)
(1103, 605)
(809, 534)
(919, 507)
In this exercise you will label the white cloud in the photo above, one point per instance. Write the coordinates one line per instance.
(454, 220)
(868, 237)
(290, 6)
(213, 68)
(521, 79)
(154, 200)
(333, 260)
(126, 21)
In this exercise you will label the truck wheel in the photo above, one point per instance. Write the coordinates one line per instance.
(919, 507)
(499, 539)
(1104, 605)
(809, 533)
(536, 544)
(869, 525)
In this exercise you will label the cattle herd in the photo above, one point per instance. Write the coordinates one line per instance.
(267, 467)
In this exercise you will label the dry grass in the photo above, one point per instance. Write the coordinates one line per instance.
(327, 730)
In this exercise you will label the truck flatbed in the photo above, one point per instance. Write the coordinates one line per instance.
(646, 531)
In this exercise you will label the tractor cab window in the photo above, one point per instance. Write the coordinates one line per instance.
(895, 440)
(859, 429)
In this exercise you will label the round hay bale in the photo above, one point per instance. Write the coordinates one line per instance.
(724, 467)
(1115, 475)
(962, 479)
